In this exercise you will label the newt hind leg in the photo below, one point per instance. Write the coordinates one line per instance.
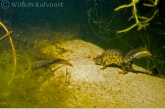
(104, 67)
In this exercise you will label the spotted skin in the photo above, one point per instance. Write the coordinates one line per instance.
(109, 57)
(116, 57)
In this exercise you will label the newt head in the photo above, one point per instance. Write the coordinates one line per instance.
(61, 62)
(97, 60)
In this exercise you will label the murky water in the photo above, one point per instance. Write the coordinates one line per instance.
(47, 61)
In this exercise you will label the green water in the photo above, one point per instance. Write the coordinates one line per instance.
(36, 27)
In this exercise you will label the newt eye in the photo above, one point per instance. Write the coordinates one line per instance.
(97, 60)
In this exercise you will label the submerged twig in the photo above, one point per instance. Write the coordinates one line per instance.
(6, 35)
(145, 20)
(12, 45)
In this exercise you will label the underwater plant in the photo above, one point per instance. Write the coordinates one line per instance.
(105, 21)
(144, 20)
(12, 45)
(106, 24)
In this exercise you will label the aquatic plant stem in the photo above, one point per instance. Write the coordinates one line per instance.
(12, 45)
(140, 24)
(5, 35)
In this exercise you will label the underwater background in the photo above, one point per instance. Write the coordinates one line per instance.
(44, 30)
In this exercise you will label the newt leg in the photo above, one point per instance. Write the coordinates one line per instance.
(122, 72)
(104, 67)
